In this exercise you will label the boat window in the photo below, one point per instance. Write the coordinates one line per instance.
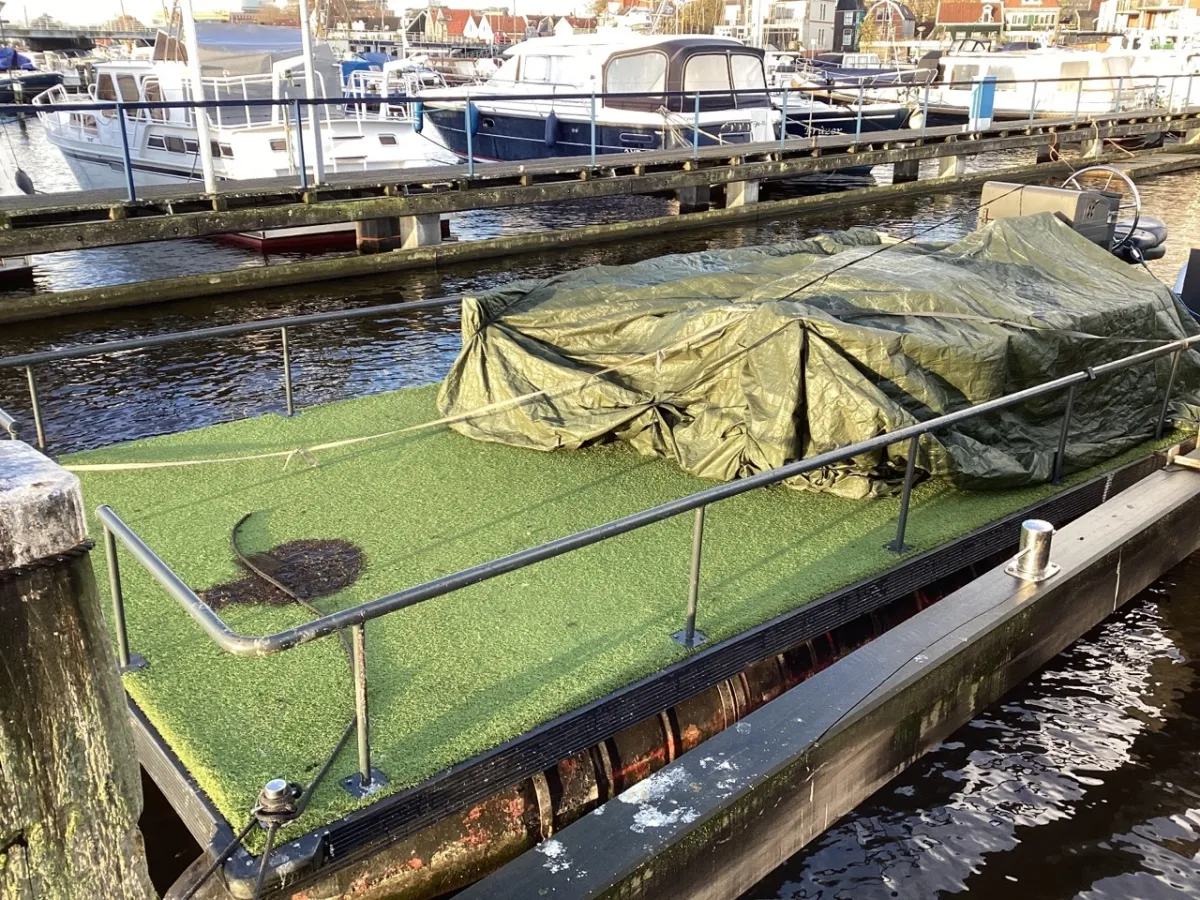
(128, 86)
(152, 92)
(1005, 77)
(636, 72)
(388, 140)
(962, 76)
(706, 72)
(174, 144)
(1074, 69)
(104, 87)
(155, 142)
(190, 146)
(278, 144)
(536, 69)
(565, 70)
(226, 151)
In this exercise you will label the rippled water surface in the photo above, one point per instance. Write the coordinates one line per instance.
(1083, 782)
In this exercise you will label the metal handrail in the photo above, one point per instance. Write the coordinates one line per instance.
(9, 424)
(356, 617)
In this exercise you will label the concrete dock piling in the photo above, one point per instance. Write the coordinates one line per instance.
(70, 789)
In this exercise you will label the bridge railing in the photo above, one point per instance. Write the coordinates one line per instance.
(355, 618)
(474, 118)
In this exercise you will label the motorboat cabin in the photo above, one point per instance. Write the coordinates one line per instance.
(517, 114)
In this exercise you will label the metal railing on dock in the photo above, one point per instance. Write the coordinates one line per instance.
(1092, 98)
(9, 424)
(355, 618)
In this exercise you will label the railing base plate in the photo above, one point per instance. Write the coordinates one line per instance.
(355, 788)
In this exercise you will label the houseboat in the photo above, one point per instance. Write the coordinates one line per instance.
(657, 71)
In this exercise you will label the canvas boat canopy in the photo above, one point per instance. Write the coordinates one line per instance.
(732, 362)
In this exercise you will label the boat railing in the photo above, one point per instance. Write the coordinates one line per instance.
(117, 532)
(9, 424)
(1145, 93)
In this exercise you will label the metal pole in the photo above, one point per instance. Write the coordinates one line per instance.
(696, 129)
(287, 371)
(195, 76)
(925, 111)
(1061, 453)
(1032, 102)
(858, 122)
(129, 186)
(1166, 404)
(593, 123)
(37, 408)
(310, 88)
(358, 644)
(1171, 94)
(1154, 94)
(783, 123)
(301, 162)
(1078, 99)
(1120, 91)
(914, 445)
(1187, 103)
(470, 139)
(689, 637)
(118, 601)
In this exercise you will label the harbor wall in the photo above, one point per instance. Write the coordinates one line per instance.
(723, 816)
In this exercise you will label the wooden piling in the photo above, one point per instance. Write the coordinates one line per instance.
(70, 789)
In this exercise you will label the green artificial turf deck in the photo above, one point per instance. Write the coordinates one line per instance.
(461, 673)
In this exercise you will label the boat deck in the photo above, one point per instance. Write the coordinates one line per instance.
(460, 674)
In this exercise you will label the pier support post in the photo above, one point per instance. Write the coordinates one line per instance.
(1191, 136)
(1045, 153)
(951, 165)
(377, 235)
(905, 171)
(70, 788)
(741, 193)
(420, 231)
(693, 199)
(1090, 149)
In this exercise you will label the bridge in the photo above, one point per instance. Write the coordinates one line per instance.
(73, 37)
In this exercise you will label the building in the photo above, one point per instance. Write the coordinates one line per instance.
(958, 19)
(1031, 19)
(849, 16)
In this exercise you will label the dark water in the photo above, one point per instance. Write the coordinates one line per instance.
(1085, 782)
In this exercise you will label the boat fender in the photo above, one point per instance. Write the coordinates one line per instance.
(473, 118)
(418, 116)
(1142, 238)
(915, 120)
(551, 129)
(1157, 228)
(24, 182)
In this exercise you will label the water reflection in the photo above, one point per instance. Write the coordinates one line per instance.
(1084, 782)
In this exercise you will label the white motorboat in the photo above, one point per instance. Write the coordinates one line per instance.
(659, 67)
(239, 63)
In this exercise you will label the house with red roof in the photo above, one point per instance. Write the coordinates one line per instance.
(1010, 20)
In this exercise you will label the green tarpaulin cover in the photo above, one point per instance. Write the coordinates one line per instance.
(732, 362)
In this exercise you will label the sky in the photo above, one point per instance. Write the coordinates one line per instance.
(85, 12)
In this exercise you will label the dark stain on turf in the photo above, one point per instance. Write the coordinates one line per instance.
(311, 568)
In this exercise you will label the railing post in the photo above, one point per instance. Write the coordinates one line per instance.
(1171, 93)
(470, 138)
(37, 408)
(1166, 404)
(1154, 93)
(1061, 452)
(1187, 102)
(366, 780)
(783, 122)
(1120, 91)
(592, 115)
(128, 662)
(696, 129)
(858, 118)
(287, 371)
(129, 186)
(689, 637)
(301, 162)
(925, 111)
(910, 467)
(1032, 102)
(1078, 99)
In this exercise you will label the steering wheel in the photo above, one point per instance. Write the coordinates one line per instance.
(1130, 204)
